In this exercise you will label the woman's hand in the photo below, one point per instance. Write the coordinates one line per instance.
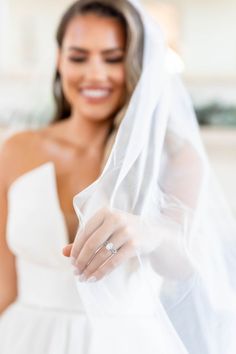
(109, 238)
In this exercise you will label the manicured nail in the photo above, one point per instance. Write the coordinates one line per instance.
(73, 260)
(77, 272)
(82, 278)
(92, 280)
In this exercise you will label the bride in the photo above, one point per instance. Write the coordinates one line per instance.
(148, 262)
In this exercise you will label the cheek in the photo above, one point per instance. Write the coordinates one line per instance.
(69, 74)
(119, 77)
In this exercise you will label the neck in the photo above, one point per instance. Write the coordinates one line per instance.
(91, 135)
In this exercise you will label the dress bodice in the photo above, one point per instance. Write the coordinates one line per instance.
(36, 234)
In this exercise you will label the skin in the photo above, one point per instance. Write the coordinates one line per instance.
(76, 145)
(92, 57)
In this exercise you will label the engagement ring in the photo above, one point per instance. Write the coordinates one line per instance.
(110, 247)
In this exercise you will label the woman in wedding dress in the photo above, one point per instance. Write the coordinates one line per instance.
(125, 145)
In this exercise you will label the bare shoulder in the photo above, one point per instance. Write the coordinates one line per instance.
(18, 154)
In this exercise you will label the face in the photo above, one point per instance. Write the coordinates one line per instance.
(91, 65)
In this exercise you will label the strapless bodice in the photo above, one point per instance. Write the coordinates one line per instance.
(36, 234)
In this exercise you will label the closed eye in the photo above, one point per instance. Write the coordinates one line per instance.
(77, 59)
(115, 60)
(108, 60)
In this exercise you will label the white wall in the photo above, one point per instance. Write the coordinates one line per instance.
(207, 33)
(209, 39)
(28, 47)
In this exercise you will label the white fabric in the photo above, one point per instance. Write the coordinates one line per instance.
(158, 170)
(48, 313)
(48, 316)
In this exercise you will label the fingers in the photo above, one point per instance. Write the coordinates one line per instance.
(114, 261)
(98, 229)
(102, 256)
(85, 233)
(94, 244)
(67, 250)
(90, 256)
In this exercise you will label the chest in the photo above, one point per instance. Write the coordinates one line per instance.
(69, 182)
(42, 219)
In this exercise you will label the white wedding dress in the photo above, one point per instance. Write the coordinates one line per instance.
(48, 316)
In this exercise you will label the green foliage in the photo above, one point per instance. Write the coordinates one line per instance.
(216, 114)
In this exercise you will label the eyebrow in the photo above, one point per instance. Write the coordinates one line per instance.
(85, 51)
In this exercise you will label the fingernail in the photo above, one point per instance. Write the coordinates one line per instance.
(82, 278)
(73, 260)
(92, 280)
(77, 272)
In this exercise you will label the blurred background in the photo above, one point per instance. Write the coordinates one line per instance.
(201, 32)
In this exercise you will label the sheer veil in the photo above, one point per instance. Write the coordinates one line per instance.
(181, 290)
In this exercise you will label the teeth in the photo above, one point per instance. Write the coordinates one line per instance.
(95, 93)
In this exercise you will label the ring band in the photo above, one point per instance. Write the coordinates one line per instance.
(110, 247)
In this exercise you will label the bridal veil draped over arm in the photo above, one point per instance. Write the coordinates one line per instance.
(182, 287)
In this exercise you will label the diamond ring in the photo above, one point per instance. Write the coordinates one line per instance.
(110, 247)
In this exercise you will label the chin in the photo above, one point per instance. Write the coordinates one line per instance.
(97, 115)
(99, 119)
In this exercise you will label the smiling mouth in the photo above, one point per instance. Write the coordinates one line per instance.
(95, 94)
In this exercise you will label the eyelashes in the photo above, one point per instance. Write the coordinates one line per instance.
(115, 60)
(84, 60)
(77, 60)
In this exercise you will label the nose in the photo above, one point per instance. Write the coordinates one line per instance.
(96, 70)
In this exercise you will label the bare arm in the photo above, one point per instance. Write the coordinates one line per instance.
(8, 284)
